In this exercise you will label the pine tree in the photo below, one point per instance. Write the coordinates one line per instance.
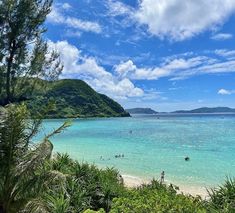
(24, 55)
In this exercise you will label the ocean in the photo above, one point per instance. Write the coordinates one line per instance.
(145, 145)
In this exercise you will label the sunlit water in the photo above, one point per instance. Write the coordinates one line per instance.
(151, 144)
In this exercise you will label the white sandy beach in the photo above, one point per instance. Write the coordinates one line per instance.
(132, 181)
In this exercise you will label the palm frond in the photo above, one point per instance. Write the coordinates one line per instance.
(65, 125)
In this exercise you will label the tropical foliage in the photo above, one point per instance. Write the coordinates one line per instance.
(23, 175)
(32, 181)
(156, 197)
(222, 198)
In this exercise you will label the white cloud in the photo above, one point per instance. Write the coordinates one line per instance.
(225, 53)
(170, 68)
(117, 8)
(179, 20)
(66, 6)
(83, 25)
(87, 68)
(56, 17)
(119, 85)
(179, 67)
(226, 92)
(222, 36)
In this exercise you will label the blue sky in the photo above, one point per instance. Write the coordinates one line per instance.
(166, 55)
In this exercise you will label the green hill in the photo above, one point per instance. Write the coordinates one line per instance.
(74, 98)
(208, 110)
(141, 111)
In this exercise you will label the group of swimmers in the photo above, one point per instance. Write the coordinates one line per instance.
(116, 156)
(101, 158)
(119, 156)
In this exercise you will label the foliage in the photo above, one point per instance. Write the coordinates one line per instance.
(33, 182)
(23, 52)
(75, 98)
(87, 186)
(156, 197)
(222, 199)
(23, 175)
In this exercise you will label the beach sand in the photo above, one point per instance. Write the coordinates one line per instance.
(132, 181)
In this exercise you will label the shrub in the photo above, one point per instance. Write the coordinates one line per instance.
(222, 199)
(156, 197)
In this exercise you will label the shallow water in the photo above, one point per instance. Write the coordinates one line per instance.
(151, 144)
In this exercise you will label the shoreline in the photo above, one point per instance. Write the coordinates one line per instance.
(133, 181)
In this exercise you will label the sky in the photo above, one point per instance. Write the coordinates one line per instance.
(163, 54)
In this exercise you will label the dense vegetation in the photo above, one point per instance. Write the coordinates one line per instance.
(156, 197)
(32, 180)
(73, 98)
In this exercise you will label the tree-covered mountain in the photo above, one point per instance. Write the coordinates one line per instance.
(74, 98)
(208, 110)
(141, 111)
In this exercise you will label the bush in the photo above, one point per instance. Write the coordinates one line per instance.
(156, 197)
(87, 186)
(222, 199)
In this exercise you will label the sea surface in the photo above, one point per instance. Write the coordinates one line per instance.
(154, 143)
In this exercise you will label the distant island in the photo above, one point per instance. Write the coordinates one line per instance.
(198, 110)
(208, 110)
(74, 98)
(141, 111)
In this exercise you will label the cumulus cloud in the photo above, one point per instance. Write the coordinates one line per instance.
(76, 65)
(226, 92)
(57, 17)
(173, 67)
(183, 19)
(222, 36)
(180, 67)
(176, 19)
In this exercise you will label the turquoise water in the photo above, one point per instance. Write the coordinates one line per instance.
(156, 143)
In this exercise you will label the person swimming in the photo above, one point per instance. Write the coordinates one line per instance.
(187, 158)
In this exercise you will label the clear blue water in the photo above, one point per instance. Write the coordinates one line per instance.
(156, 143)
